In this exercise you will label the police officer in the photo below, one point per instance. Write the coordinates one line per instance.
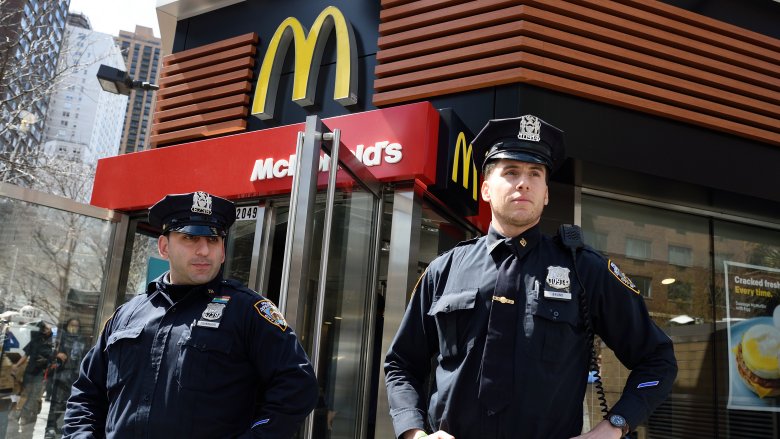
(508, 318)
(196, 355)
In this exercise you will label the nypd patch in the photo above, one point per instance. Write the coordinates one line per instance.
(625, 280)
(270, 312)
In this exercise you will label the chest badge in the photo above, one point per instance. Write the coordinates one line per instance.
(558, 283)
(212, 315)
(213, 311)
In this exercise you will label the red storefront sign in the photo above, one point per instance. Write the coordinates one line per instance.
(397, 144)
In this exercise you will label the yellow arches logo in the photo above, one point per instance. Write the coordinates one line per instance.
(308, 47)
(464, 151)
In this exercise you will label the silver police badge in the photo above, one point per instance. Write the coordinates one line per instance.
(213, 311)
(559, 283)
(201, 203)
(558, 277)
(530, 128)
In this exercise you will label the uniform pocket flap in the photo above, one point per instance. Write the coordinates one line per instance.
(454, 301)
(209, 340)
(563, 312)
(123, 334)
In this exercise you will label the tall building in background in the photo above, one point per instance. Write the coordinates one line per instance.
(83, 123)
(31, 34)
(141, 50)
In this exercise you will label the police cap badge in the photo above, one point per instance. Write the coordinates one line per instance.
(526, 139)
(196, 213)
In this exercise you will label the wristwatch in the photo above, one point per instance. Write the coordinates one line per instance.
(619, 422)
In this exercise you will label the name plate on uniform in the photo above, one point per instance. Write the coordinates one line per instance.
(557, 295)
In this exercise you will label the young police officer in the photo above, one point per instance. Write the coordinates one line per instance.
(196, 356)
(502, 317)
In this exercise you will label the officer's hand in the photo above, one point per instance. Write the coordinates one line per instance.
(603, 430)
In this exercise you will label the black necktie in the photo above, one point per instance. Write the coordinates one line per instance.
(496, 381)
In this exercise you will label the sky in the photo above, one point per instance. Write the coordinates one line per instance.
(111, 16)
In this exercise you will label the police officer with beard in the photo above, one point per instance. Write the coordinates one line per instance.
(196, 355)
(508, 318)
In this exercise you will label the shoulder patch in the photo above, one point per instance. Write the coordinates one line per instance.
(419, 279)
(270, 312)
(625, 280)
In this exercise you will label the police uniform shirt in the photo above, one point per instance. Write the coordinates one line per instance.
(447, 319)
(219, 363)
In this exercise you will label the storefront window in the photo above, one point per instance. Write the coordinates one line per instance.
(667, 254)
(747, 299)
(706, 282)
(52, 264)
(145, 263)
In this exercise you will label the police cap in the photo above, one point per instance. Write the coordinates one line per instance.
(196, 213)
(526, 139)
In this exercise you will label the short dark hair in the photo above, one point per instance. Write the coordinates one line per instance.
(489, 167)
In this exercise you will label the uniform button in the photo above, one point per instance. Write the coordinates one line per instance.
(555, 313)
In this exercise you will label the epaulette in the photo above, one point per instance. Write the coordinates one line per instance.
(240, 287)
(460, 244)
(468, 241)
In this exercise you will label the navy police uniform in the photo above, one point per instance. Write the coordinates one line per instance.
(209, 361)
(448, 315)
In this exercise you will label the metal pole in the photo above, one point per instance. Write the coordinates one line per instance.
(323, 277)
(290, 227)
(371, 315)
(297, 252)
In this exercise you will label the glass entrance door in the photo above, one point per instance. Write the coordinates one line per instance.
(328, 283)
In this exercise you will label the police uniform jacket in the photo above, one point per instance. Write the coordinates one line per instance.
(447, 319)
(221, 362)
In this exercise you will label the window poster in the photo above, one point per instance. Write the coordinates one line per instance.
(753, 322)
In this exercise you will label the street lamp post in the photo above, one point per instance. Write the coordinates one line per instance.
(119, 82)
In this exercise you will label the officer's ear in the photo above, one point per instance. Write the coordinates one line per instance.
(485, 190)
(162, 246)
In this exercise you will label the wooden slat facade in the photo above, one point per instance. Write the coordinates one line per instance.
(204, 92)
(644, 55)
